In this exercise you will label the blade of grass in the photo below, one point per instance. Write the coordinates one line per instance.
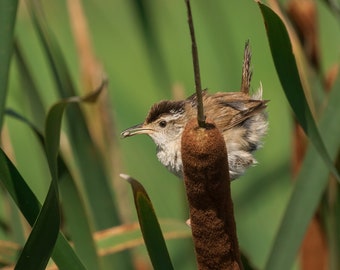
(42, 239)
(39, 246)
(73, 202)
(29, 87)
(29, 205)
(40, 243)
(150, 227)
(98, 191)
(309, 188)
(75, 211)
(8, 10)
(52, 138)
(74, 208)
(95, 178)
(287, 71)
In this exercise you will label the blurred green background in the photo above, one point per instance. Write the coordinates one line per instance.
(143, 67)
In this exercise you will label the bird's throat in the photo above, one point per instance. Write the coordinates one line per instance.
(170, 157)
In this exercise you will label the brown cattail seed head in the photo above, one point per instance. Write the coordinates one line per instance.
(206, 177)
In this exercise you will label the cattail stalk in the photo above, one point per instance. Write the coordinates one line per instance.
(206, 177)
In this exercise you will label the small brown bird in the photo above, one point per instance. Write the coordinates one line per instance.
(240, 117)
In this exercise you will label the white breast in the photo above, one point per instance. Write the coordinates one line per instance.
(171, 159)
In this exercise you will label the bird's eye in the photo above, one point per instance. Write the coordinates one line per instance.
(162, 124)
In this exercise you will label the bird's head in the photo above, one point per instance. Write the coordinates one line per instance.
(164, 123)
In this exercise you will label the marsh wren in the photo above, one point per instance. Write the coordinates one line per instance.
(240, 117)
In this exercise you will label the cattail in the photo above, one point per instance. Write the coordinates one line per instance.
(206, 177)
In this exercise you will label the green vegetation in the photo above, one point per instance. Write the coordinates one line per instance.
(54, 62)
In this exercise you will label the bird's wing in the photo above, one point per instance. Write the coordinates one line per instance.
(239, 112)
(231, 109)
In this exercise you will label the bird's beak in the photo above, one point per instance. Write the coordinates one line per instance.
(138, 129)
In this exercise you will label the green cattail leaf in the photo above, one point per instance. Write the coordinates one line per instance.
(313, 177)
(42, 239)
(150, 227)
(52, 138)
(74, 208)
(8, 11)
(29, 205)
(287, 71)
(84, 148)
(40, 244)
(27, 83)
(309, 188)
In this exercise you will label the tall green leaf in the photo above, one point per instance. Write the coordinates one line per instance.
(29, 88)
(39, 246)
(79, 224)
(52, 139)
(86, 153)
(29, 205)
(53, 125)
(309, 188)
(73, 203)
(287, 71)
(40, 243)
(150, 227)
(74, 208)
(8, 11)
